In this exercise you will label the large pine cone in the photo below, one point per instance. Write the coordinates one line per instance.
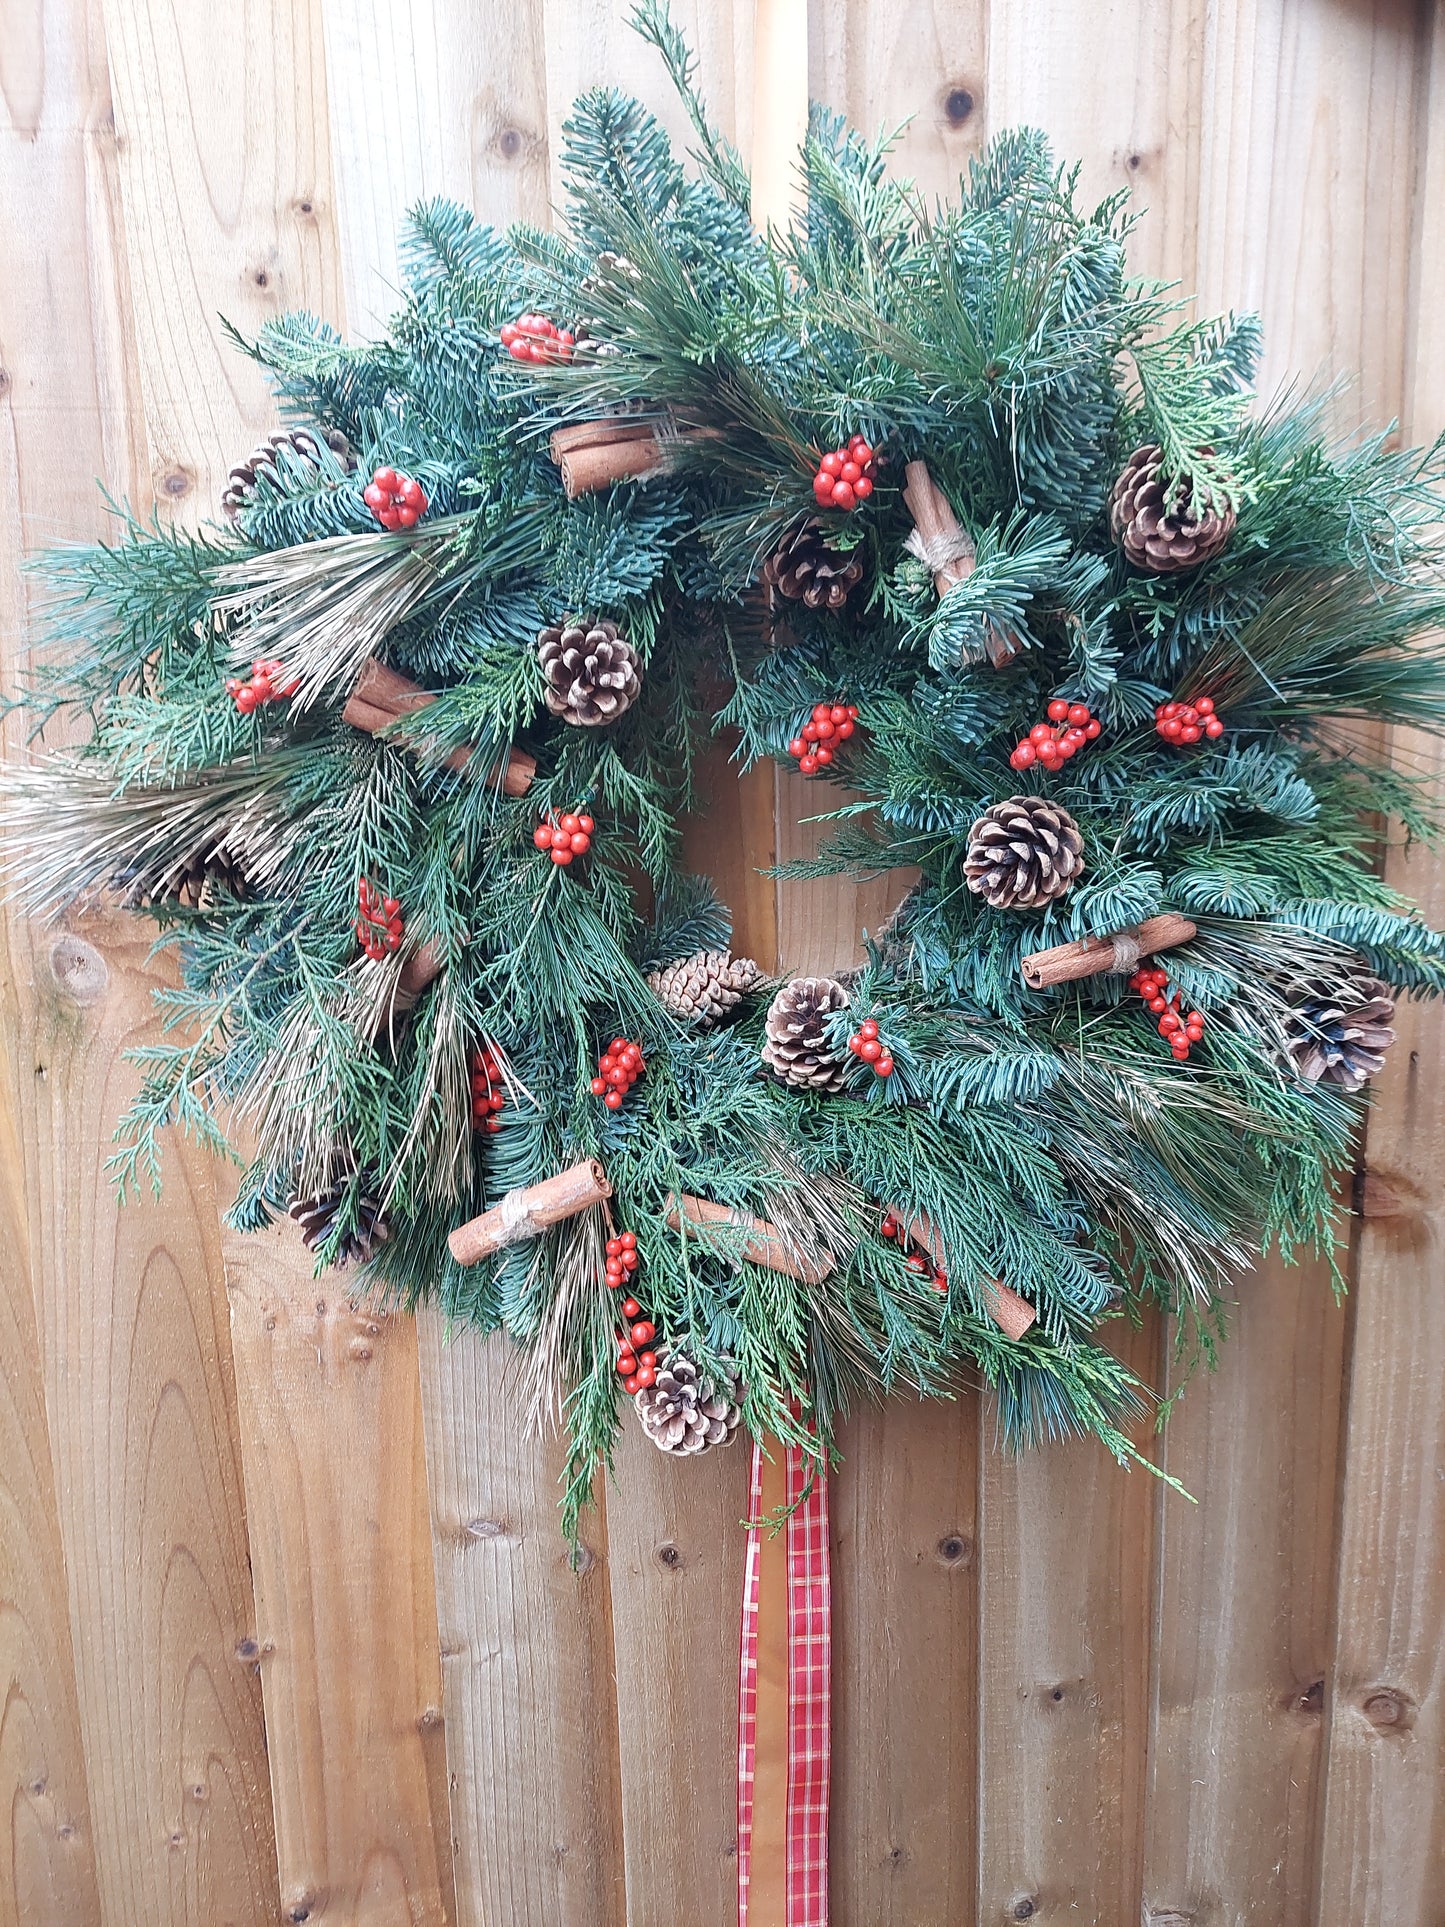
(317, 1218)
(683, 1413)
(805, 569)
(1163, 536)
(195, 883)
(1340, 1032)
(703, 988)
(1023, 852)
(591, 672)
(797, 1049)
(304, 444)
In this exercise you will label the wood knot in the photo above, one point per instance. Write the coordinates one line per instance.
(247, 1650)
(670, 1556)
(307, 206)
(955, 1549)
(485, 1529)
(1023, 1907)
(580, 1560)
(5, 381)
(428, 1719)
(299, 1903)
(1386, 1194)
(78, 969)
(359, 1350)
(958, 104)
(1389, 1710)
(509, 143)
(1311, 1699)
(176, 1841)
(176, 482)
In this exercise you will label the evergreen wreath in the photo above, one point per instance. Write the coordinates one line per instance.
(958, 515)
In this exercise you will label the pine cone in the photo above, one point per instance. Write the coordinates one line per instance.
(1023, 853)
(683, 1413)
(303, 443)
(317, 1217)
(797, 1049)
(703, 988)
(591, 672)
(1163, 536)
(194, 883)
(805, 569)
(1340, 1032)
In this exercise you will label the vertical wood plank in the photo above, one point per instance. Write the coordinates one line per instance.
(1066, 1543)
(527, 1663)
(1383, 1843)
(675, 1552)
(1284, 184)
(345, 1603)
(905, 1665)
(148, 1547)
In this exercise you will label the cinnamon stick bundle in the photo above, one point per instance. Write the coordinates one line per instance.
(615, 448)
(382, 697)
(1094, 956)
(765, 1244)
(527, 1213)
(940, 540)
(1011, 1313)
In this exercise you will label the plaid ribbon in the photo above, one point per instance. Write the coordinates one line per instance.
(785, 1738)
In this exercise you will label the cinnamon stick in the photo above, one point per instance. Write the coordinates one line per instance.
(382, 697)
(1011, 1313)
(617, 448)
(527, 1213)
(421, 968)
(1093, 956)
(765, 1244)
(940, 540)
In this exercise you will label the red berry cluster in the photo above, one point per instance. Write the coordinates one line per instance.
(268, 680)
(1181, 1031)
(488, 1090)
(397, 501)
(618, 1069)
(533, 337)
(817, 742)
(845, 476)
(565, 836)
(636, 1364)
(379, 925)
(865, 1043)
(1069, 727)
(918, 1259)
(1187, 722)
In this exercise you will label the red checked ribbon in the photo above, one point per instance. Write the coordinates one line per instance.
(784, 1688)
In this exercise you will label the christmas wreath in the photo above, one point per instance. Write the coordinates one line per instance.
(939, 505)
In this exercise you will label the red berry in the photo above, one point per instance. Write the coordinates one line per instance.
(1214, 727)
(1094, 729)
(387, 479)
(629, 1241)
(630, 1308)
(863, 488)
(1057, 710)
(599, 1085)
(646, 1376)
(647, 1361)
(915, 1263)
(1158, 1005)
(845, 729)
(630, 1261)
(643, 1332)
(246, 700)
(586, 824)
(831, 464)
(822, 757)
(797, 747)
(1190, 733)
(1079, 714)
(884, 1066)
(374, 497)
(843, 496)
(413, 494)
(632, 1386)
(1167, 1023)
(807, 764)
(870, 1049)
(613, 1100)
(1041, 734)
(869, 1027)
(562, 856)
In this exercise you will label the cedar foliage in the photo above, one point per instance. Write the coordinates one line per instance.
(1049, 1136)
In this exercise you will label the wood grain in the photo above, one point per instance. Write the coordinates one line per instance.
(346, 1627)
(127, 1332)
(527, 1660)
(905, 1665)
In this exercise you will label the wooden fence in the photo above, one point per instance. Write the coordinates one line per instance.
(280, 1583)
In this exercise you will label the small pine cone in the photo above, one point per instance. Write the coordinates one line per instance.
(317, 1217)
(1163, 535)
(302, 443)
(195, 883)
(684, 1413)
(1023, 852)
(1340, 1032)
(805, 569)
(797, 1049)
(703, 988)
(591, 672)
